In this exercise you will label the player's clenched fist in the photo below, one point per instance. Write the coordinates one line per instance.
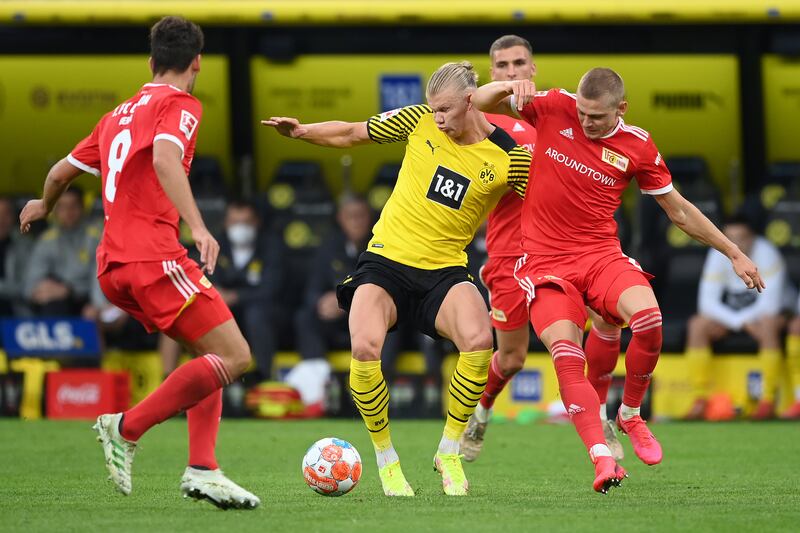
(286, 126)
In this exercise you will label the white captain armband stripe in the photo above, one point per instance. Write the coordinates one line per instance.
(86, 168)
(655, 192)
(170, 138)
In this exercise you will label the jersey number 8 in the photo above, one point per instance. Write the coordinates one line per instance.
(116, 158)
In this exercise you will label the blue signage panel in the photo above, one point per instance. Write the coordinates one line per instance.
(400, 90)
(50, 337)
(527, 386)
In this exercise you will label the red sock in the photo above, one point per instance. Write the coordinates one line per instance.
(642, 355)
(203, 420)
(602, 352)
(186, 386)
(577, 393)
(494, 385)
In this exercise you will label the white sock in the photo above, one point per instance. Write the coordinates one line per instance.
(626, 412)
(599, 450)
(448, 446)
(796, 394)
(482, 414)
(386, 457)
(603, 413)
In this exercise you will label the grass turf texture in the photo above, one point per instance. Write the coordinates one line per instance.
(715, 477)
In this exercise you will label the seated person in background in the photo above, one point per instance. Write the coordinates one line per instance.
(61, 268)
(793, 365)
(14, 250)
(724, 306)
(247, 277)
(320, 324)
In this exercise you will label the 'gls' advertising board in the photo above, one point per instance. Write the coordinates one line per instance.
(50, 337)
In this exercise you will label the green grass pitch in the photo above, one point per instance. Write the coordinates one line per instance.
(715, 477)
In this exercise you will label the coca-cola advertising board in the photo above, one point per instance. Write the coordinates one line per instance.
(86, 393)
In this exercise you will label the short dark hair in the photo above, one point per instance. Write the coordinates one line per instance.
(174, 43)
(600, 82)
(509, 41)
(243, 203)
(739, 219)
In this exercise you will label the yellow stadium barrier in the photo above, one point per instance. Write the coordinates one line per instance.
(33, 371)
(290, 12)
(145, 369)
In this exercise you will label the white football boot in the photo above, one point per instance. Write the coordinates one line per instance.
(213, 486)
(118, 451)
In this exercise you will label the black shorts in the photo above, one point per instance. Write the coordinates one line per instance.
(417, 293)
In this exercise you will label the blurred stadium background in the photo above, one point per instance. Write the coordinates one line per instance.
(717, 83)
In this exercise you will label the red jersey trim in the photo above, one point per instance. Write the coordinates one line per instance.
(86, 168)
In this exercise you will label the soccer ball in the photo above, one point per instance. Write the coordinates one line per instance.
(332, 467)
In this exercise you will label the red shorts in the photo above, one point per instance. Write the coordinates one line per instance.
(170, 296)
(593, 278)
(509, 306)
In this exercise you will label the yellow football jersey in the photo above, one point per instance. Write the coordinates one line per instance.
(444, 190)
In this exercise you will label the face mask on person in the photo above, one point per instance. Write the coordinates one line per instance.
(242, 234)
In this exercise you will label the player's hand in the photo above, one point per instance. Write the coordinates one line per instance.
(748, 271)
(522, 91)
(286, 126)
(34, 210)
(208, 247)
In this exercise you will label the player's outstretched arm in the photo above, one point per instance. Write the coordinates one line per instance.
(496, 97)
(335, 134)
(694, 223)
(58, 180)
(168, 164)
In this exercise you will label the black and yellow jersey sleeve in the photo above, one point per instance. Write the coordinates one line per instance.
(397, 125)
(518, 169)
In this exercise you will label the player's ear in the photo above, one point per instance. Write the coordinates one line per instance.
(196, 62)
(623, 107)
(469, 100)
(151, 63)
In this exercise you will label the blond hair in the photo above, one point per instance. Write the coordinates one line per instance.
(601, 81)
(460, 76)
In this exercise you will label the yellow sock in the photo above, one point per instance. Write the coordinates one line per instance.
(371, 396)
(793, 363)
(770, 368)
(699, 365)
(466, 387)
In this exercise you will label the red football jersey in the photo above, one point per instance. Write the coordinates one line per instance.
(578, 184)
(503, 237)
(141, 223)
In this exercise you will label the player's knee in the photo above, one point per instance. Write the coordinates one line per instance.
(239, 359)
(475, 340)
(365, 348)
(650, 337)
(511, 361)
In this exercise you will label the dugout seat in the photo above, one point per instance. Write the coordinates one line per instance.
(383, 185)
(300, 211)
(207, 178)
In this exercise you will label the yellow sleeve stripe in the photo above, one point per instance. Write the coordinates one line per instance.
(518, 169)
(397, 127)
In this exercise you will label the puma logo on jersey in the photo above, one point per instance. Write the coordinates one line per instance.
(431, 146)
(615, 160)
(568, 134)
